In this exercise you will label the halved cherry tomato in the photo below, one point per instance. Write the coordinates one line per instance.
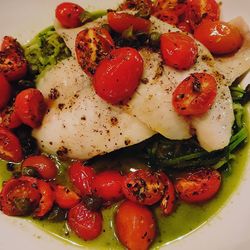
(219, 37)
(85, 223)
(19, 197)
(45, 167)
(5, 91)
(47, 199)
(178, 50)
(65, 198)
(168, 200)
(30, 107)
(12, 61)
(143, 187)
(195, 94)
(81, 177)
(118, 76)
(9, 118)
(198, 185)
(10, 147)
(135, 226)
(68, 14)
(122, 21)
(197, 10)
(92, 45)
(108, 185)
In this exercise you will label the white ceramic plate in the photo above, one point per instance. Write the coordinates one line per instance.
(229, 230)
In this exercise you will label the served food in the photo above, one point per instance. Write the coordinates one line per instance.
(115, 123)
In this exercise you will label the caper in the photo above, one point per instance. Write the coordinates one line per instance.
(30, 171)
(92, 202)
(57, 214)
(154, 39)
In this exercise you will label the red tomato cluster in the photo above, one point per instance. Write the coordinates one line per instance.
(28, 107)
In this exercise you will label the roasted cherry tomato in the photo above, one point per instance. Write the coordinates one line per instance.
(30, 107)
(85, 223)
(143, 187)
(198, 185)
(81, 177)
(45, 167)
(178, 50)
(118, 76)
(65, 198)
(12, 61)
(219, 37)
(9, 118)
(69, 14)
(108, 185)
(47, 199)
(19, 197)
(168, 200)
(135, 226)
(195, 94)
(197, 10)
(5, 91)
(92, 46)
(122, 21)
(10, 147)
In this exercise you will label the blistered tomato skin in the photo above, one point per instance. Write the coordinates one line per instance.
(135, 226)
(68, 14)
(9, 118)
(10, 147)
(45, 166)
(30, 106)
(92, 45)
(85, 223)
(179, 50)
(5, 91)
(119, 22)
(195, 94)
(198, 186)
(81, 177)
(108, 185)
(143, 187)
(118, 76)
(219, 37)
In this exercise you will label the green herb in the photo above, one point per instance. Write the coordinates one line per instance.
(87, 16)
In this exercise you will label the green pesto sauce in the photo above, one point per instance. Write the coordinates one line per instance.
(184, 220)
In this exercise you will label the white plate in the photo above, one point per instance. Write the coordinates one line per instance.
(229, 230)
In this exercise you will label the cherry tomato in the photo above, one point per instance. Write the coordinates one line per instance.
(143, 187)
(12, 61)
(5, 91)
(10, 147)
(19, 197)
(92, 46)
(47, 199)
(9, 118)
(197, 10)
(168, 200)
(108, 185)
(69, 14)
(118, 76)
(81, 177)
(30, 107)
(198, 185)
(65, 198)
(45, 167)
(178, 50)
(219, 37)
(122, 21)
(135, 226)
(195, 94)
(85, 223)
